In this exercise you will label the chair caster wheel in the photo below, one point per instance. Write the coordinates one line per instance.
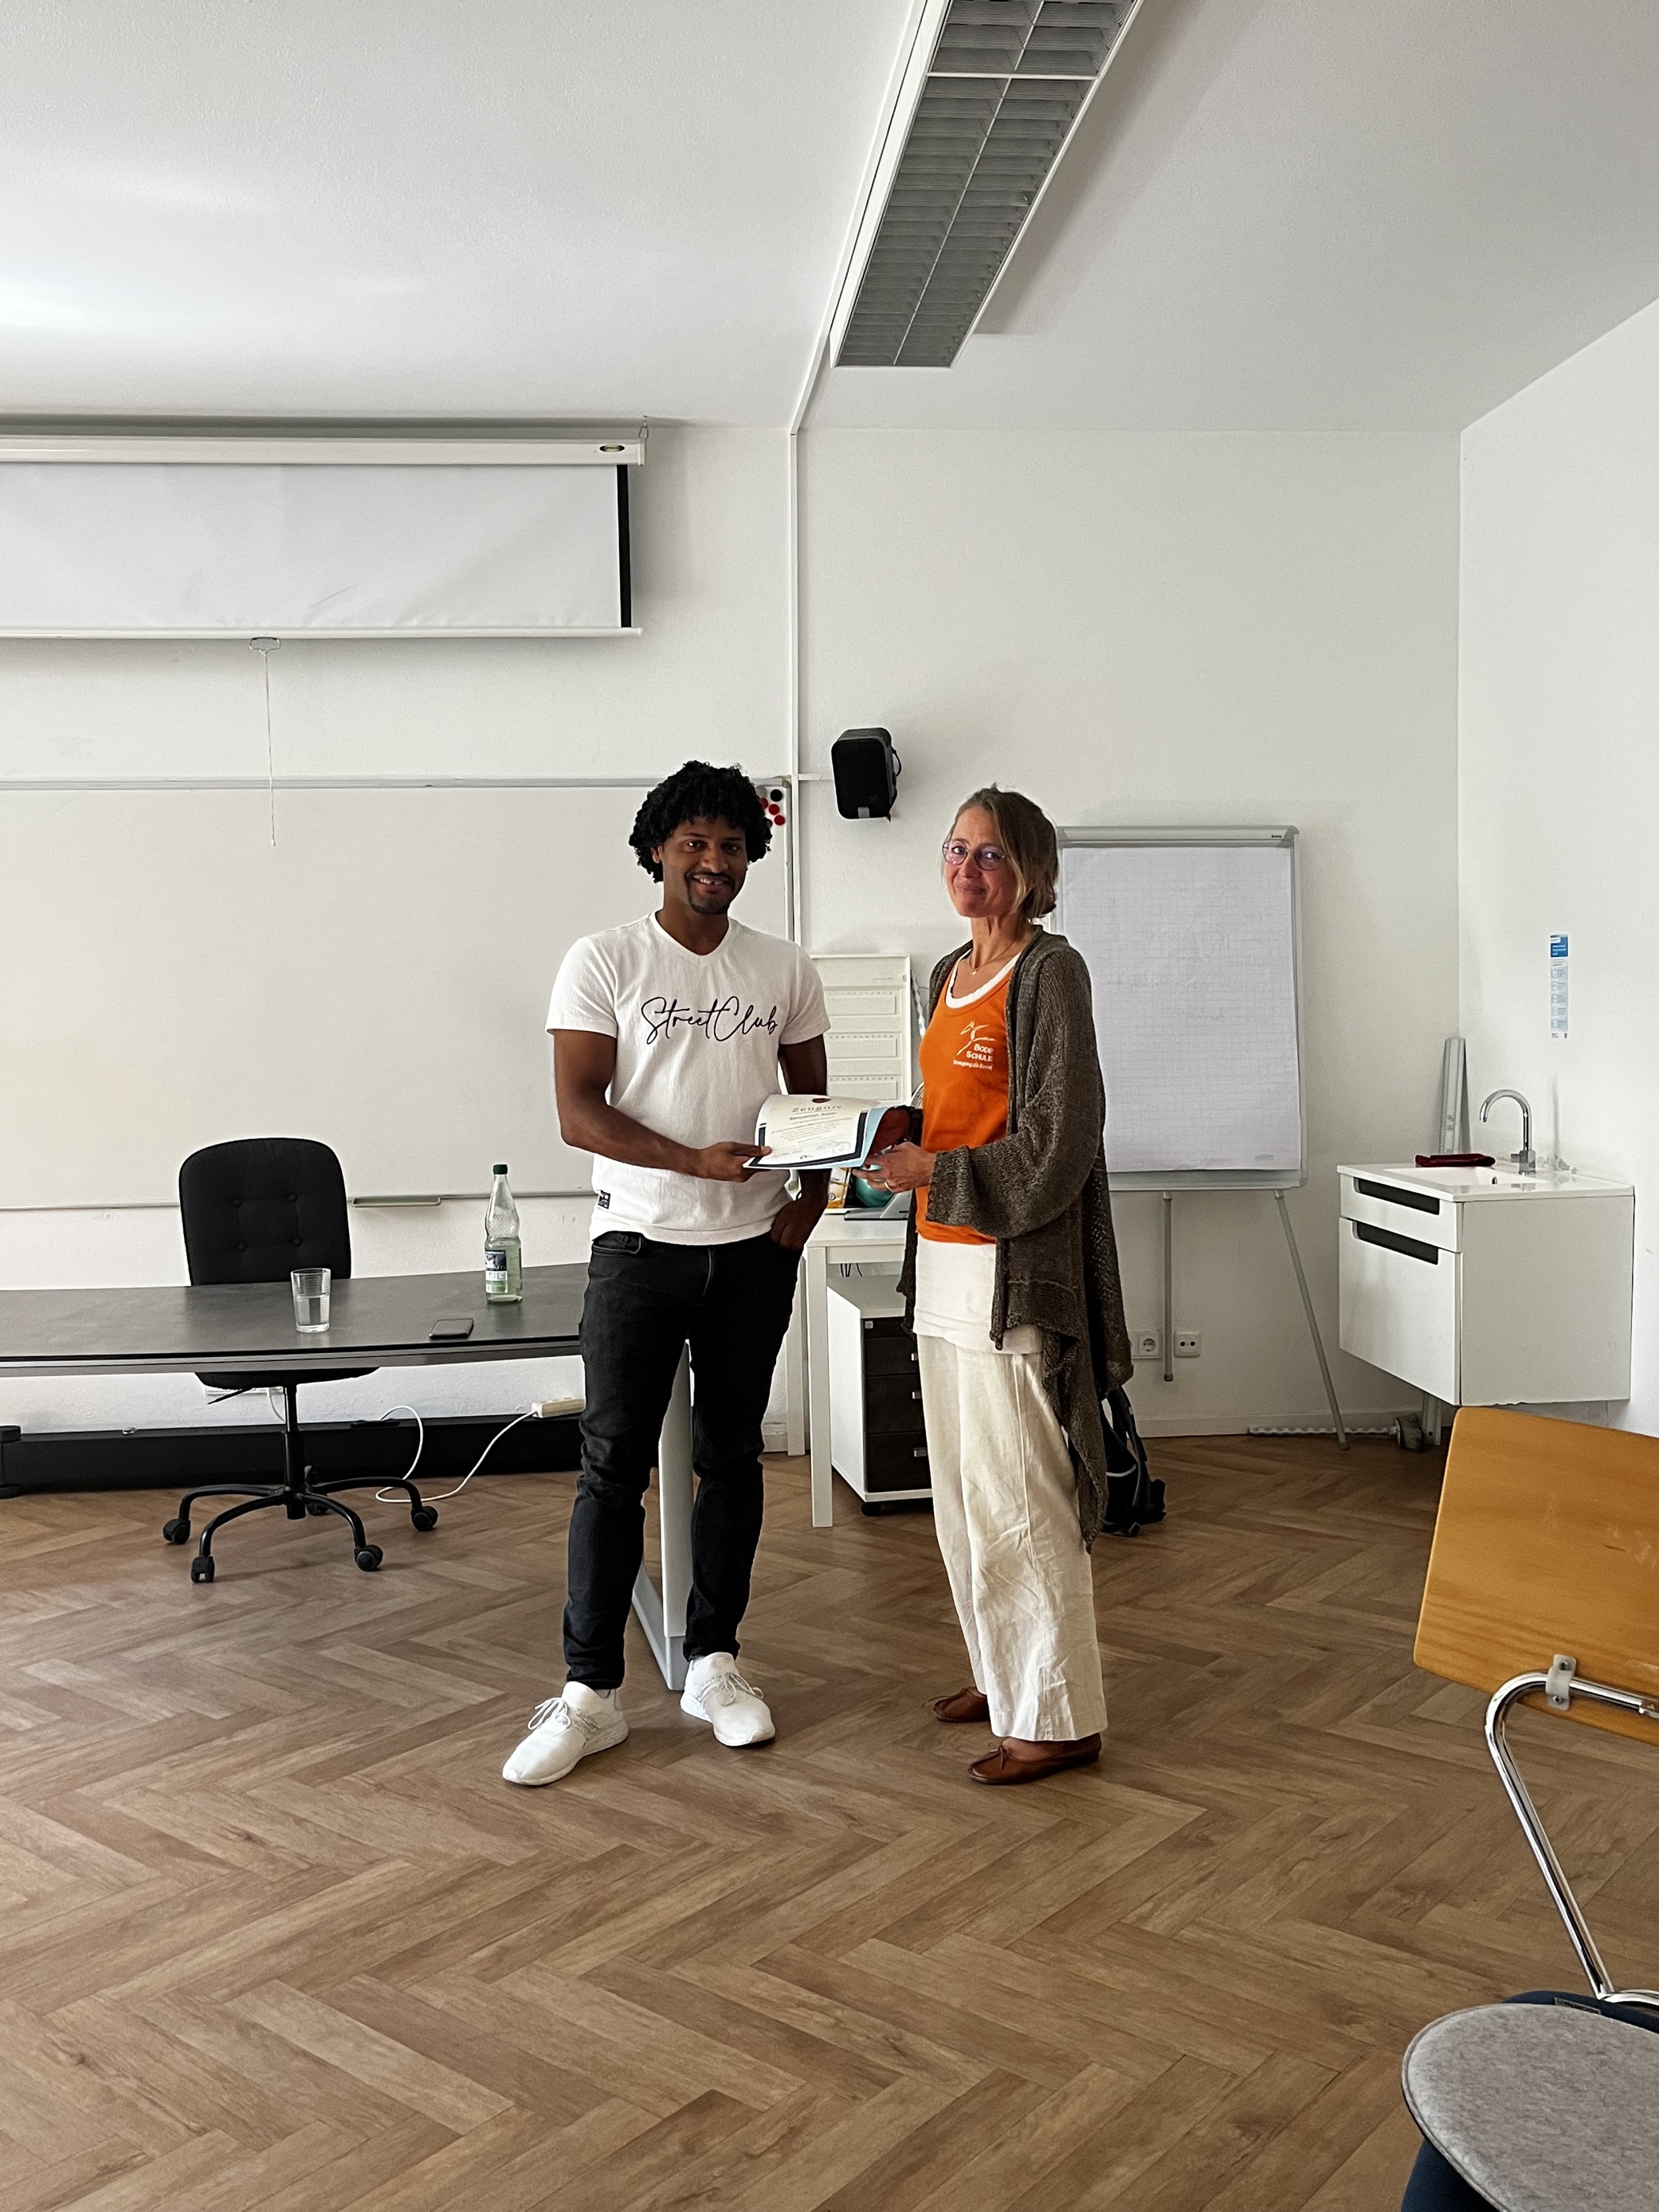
(176, 1531)
(424, 1517)
(201, 1571)
(370, 1558)
(317, 1512)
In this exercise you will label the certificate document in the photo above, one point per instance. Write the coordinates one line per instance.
(817, 1132)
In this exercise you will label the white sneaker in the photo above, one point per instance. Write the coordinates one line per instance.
(563, 1730)
(734, 1709)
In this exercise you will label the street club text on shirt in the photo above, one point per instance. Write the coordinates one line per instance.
(720, 1021)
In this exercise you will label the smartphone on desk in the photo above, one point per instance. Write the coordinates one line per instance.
(454, 1328)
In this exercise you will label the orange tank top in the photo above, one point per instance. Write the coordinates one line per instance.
(964, 1084)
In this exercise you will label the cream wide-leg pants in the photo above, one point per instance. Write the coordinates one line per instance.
(1004, 1507)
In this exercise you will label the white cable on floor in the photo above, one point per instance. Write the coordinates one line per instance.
(400, 1497)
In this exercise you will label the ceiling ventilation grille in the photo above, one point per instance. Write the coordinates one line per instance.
(1008, 80)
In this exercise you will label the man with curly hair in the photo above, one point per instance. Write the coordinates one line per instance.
(668, 1034)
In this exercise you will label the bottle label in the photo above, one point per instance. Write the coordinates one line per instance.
(494, 1269)
(1557, 986)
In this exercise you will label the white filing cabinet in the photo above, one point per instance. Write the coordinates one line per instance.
(870, 1045)
(876, 1440)
(1488, 1288)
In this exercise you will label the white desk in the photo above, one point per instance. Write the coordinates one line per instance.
(845, 1241)
(662, 1612)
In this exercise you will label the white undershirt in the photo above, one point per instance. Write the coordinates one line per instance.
(954, 1287)
(980, 991)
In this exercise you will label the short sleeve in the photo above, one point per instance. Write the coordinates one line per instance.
(808, 1015)
(583, 992)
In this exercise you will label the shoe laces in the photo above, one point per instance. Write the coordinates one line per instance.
(725, 1685)
(556, 1709)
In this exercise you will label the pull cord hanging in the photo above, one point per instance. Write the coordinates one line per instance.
(264, 647)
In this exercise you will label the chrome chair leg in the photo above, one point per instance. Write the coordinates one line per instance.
(1561, 1683)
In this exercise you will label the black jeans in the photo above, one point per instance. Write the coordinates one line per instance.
(645, 1303)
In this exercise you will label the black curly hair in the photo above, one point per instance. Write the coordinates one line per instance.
(697, 793)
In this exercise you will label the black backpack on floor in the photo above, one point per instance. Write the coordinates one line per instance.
(1135, 1496)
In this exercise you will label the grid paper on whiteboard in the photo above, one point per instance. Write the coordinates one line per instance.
(1192, 950)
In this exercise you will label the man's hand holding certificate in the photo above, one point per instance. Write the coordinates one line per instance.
(806, 1131)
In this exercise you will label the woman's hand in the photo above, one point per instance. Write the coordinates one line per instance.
(906, 1167)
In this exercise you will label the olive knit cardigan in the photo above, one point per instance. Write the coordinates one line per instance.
(1041, 1192)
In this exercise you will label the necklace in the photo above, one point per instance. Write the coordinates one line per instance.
(969, 972)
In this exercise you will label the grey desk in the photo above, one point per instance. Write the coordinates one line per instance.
(217, 1328)
(374, 1321)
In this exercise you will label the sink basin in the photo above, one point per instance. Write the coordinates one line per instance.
(1485, 1183)
(1459, 1183)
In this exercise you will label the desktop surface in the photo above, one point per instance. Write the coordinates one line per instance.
(379, 1321)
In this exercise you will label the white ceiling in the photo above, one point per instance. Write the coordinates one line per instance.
(568, 208)
(1320, 214)
(1301, 213)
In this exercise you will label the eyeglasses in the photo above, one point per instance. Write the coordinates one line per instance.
(991, 858)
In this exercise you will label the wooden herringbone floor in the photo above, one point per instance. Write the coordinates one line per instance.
(273, 1934)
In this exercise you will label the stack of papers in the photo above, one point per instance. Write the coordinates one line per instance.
(807, 1131)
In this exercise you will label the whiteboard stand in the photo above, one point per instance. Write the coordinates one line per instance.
(1168, 1286)
(1192, 937)
(662, 1612)
(1301, 1284)
(1313, 1324)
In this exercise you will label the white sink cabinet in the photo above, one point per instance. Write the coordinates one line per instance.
(1488, 1288)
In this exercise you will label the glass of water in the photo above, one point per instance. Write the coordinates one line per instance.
(311, 1287)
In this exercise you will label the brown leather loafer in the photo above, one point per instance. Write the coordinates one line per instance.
(1002, 1768)
(968, 1705)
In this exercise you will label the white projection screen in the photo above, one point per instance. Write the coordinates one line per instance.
(243, 549)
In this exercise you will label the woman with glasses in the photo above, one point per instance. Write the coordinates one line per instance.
(1012, 1280)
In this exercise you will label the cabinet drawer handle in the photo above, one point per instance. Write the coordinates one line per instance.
(920, 1452)
(1420, 1200)
(1412, 1249)
(915, 1397)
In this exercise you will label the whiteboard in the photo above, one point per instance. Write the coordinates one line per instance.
(1191, 941)
(245, 550)
(379, 981)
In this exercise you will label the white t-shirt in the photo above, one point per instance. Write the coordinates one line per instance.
(697, 1036)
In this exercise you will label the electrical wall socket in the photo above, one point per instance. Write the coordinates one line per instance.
(1148, 1344)
(1188, 1343)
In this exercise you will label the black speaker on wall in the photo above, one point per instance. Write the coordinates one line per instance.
(866, 771)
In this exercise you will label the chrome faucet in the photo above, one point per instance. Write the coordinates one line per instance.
(1526, 1160)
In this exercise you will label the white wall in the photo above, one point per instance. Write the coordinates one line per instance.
(1154, 629)
(709, 677)
(1170, 629)
(1560, 773)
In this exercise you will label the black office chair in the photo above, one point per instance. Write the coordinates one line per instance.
(253, 1212)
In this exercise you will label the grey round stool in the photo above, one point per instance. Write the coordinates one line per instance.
(1541, 2108)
